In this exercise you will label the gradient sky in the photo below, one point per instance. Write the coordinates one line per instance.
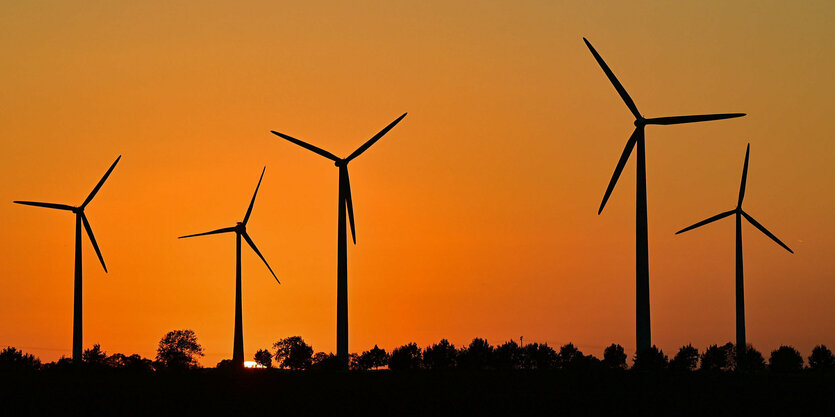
(476, 215)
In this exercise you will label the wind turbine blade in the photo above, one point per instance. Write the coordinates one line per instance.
(744, 177)
(630, 144)
(307, 146)
(350, 204)
(708, 220)
(674, 120)
(252, 203)
(93, 240)
(618, 86)
(47, 205)
(376, 137)
(98, 186)
(213, 232)
(764, 230)
(257, 252)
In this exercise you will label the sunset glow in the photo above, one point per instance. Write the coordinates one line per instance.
(476, 216)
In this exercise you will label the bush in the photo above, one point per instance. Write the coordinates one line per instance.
(651, 359)
(821, 359)
(405, 358)
(440, 356)
(785, 359)
(614, 357)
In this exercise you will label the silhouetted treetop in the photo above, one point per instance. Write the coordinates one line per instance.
(179, 349)
(614, 357)
(405, 358)
(650, 359)
(821, 359)
(785, 359)
(264, 358)
(440, 356)
(12, 359)
(686, 359)
(293, 353)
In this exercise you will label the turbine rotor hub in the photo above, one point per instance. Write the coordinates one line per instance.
(640, 122)
(340, 163)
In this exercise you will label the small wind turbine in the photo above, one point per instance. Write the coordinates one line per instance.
(240, 230)
(740, 293)
(641, 240)
(342, 238)
(80, 218)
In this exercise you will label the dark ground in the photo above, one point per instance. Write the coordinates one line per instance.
(512, 393)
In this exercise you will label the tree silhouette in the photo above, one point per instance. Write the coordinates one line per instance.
(264, 358)
(479, 355)
(571, 358)
(750, 359)
(12, 359)
(821, 359)
(322, 361)
(539, 356)
(94, 356)
(405, 358)
(440, 356)
(179, 349)
(293, 353)
(650, 359)
(718, 358)
(507, 356)
(785, 359)
(132, 363)
(686, 359)
(614, 357)
(372, 359)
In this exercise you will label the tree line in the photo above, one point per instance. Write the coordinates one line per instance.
(180, 350)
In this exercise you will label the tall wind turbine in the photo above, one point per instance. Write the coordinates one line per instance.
(345, 202)
(80, 218)
(643, 337)
(740, 293)
(240, 231)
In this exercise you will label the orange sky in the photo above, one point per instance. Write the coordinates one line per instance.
(476, 215)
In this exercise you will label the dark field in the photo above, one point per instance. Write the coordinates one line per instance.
(262, 392)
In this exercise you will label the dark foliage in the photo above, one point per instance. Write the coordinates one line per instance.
(572, 358)
(405, 358)
(179, 349)
(538, 356)
(719, 358)
(614, 357)
(132, 363)
(785, 359)
(94, 356)
(264, 358)
(327, 362)
(685, 360)
(650, 360)
(12, 359)
(821, 359)
(440, 356)
(293, 353)
(750, 360)
(479, 355)
(507, 356)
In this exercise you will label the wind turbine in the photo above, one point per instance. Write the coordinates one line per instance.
(240, 231)
(644, 340)
(345, 202)
(80, 218)
(740, 293)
